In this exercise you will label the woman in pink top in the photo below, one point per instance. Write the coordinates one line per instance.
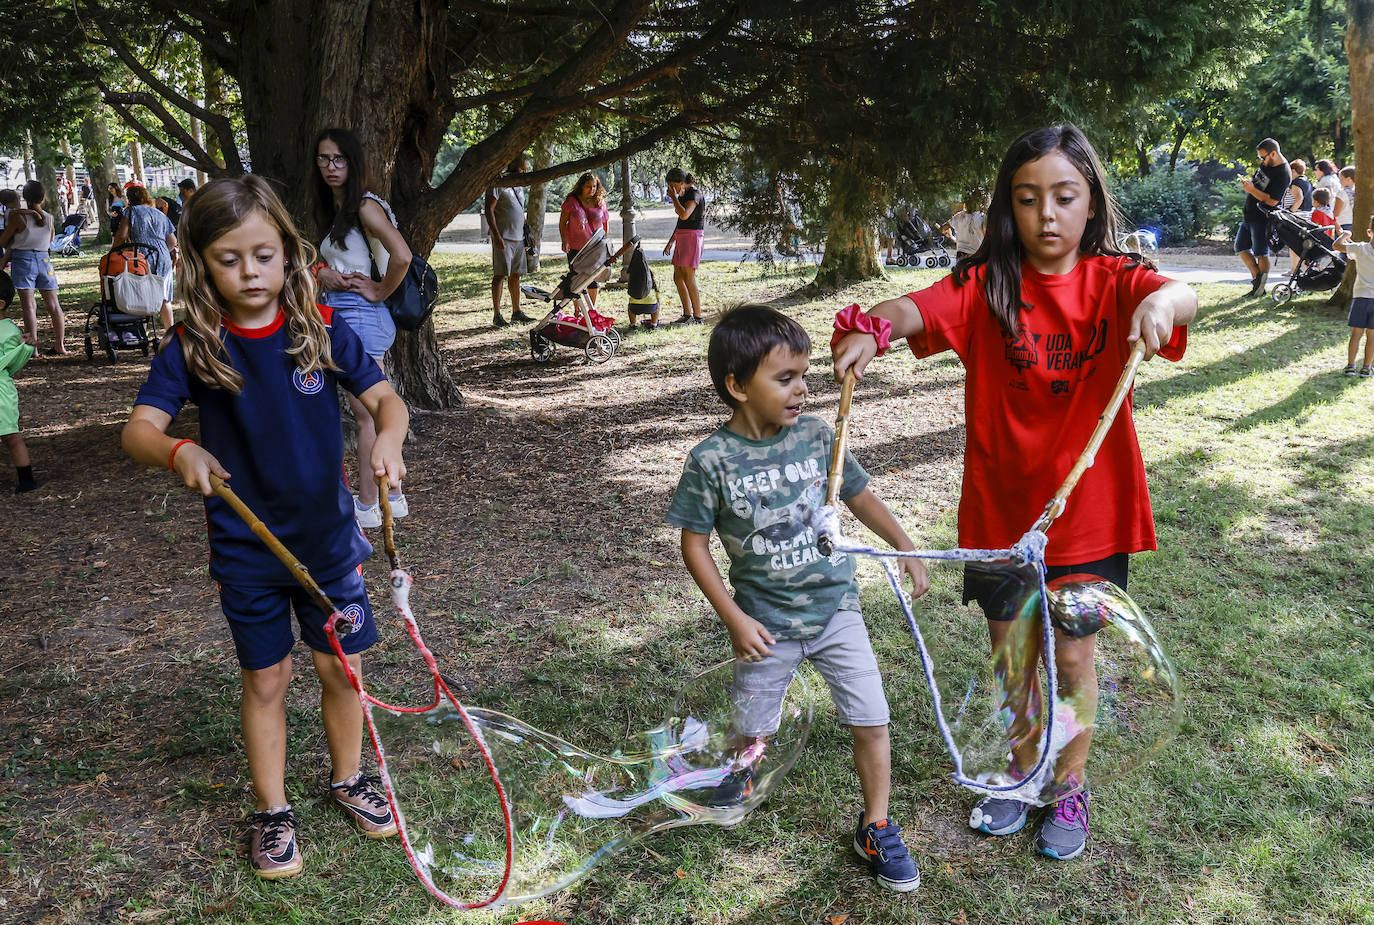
(584, 211)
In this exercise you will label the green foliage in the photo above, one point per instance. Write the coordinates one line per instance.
(1172, 204)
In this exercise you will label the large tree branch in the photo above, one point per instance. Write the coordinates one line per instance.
(193, 155)
(688, 52)
(143, 132)
(523, 12)
(679, 123)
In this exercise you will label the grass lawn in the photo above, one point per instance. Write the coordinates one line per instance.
(546, 582)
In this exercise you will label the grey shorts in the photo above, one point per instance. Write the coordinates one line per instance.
(844, 657)
(508, 258)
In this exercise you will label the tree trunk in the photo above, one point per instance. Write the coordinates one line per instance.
(536, 204)
(45, 161)
(28, 156)
(1359, 51)
(136, 156)
(1180, 133)
(1142, 160)
(69, 161)
(339, 61)
(850, 255)
(213, 78)
(97, 155)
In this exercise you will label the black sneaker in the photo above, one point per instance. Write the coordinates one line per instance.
(881, 847)
(734, 789)
(521, 317)
(498, 322)
(1257, 286)
(698, 320)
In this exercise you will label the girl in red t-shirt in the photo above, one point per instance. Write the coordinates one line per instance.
(1043, 315)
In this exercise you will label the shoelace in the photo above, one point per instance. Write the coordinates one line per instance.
(1069, 812)
(365, 789)
(274, 827)
(888, 842)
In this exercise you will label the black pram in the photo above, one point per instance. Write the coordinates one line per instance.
(1320, 266)
(918, 242)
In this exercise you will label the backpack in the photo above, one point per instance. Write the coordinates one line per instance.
(413, 301)
(641, 276)
(173, 210)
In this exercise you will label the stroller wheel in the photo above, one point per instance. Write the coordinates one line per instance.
(901, 260)
(541, 348)
(1282, 293)
(944, 260)
(90, 349)
(599, 348)
(930, 263)
(615, 337)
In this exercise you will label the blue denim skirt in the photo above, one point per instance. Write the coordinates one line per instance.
(371, 321)
(32, 270)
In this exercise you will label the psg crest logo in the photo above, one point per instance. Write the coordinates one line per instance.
(308, 383)
(354, 614)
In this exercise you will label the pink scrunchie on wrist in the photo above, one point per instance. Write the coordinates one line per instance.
(852, 318)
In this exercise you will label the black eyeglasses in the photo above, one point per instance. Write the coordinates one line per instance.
(325, 160)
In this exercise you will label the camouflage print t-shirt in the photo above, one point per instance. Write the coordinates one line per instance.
(758, 494)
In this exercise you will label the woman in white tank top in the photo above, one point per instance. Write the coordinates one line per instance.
(25, 243)
(358, 231)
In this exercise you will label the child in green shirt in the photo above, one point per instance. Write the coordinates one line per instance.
(753, 482)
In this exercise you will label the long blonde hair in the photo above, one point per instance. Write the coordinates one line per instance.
(217, 208)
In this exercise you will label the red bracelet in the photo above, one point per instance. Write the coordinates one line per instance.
(179, 445)
(852, 318)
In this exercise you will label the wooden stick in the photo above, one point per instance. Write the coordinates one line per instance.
(1089, 454)
(388, 523)
(832, 486)
(301, 573)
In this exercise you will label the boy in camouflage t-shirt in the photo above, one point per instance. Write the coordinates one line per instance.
(753, 482)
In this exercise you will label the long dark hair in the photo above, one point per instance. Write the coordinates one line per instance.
(338, 220)
(34, 194)
(1001, 252)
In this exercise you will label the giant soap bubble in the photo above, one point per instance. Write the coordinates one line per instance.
(716, 756)
(1007, 735)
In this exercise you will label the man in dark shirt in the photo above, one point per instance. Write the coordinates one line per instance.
(1264, 193)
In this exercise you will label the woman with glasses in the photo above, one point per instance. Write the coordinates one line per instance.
(363, 258)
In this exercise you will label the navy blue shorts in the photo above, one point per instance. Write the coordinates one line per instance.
(1253, 237)
(1362, 313)
(996, 593)
(260, 619)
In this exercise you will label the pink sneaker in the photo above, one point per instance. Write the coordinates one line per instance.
(365, 804)
(272, 847)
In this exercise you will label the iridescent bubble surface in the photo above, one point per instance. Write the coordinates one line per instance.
(716, 756)
(1105, 722)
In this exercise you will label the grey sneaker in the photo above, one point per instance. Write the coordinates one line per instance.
(272, 847)
(1064, 833)
(996, 816)
(369, 516)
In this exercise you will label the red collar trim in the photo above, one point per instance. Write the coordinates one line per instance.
(255, 333)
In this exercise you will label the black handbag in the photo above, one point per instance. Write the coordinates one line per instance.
(413, 301)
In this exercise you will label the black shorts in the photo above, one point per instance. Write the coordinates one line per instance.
(995, 593)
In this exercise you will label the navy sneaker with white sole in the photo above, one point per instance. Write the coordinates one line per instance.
(997, 816)
(882, 849)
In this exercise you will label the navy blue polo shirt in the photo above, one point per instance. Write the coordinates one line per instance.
(281, 441)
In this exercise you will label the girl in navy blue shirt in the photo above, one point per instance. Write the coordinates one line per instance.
(261, 360)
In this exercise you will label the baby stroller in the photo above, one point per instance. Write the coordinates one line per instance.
(67, 241)
(917, 244)
(1320, 265)
(130, 298)
(581, 327)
